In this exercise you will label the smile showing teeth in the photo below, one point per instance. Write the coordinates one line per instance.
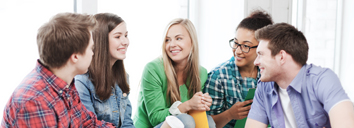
(174, 51)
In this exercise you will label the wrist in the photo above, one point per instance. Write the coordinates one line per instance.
(188, 106)
(228, 115)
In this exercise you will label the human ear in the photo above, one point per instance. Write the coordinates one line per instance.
(74, 58)
(283, 56)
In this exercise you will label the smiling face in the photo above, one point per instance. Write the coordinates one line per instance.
(246, 37)
(268, 64)
(118, 42)
(178, 43)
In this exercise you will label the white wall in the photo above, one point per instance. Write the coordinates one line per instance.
(347, 54)
(216, 24)
(19, 23)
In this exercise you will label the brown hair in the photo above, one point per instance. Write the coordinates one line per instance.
(104, 76)
(283, 36)
(64, 35)
(192, 69)
(256, 20)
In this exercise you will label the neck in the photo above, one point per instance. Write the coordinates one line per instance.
(112, 61)
(180, 68)
(248, 71)
(287, 76)
(64, 73)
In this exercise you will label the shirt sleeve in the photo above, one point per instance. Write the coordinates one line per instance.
(90, 120)
(85, 94)
(216, 91)
(33, 114)
(152, 93)
(128, 122)
(330, 90)
(258, 111)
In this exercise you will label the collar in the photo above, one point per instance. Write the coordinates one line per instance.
(58, 84)
(299, 79)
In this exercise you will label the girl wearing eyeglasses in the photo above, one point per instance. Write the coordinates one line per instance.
(228, 83)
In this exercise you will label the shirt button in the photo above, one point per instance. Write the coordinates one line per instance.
(67, 86)
(68, 98)
(60, 91)
(124, 94)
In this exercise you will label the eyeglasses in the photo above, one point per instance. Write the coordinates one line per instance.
(244, 48)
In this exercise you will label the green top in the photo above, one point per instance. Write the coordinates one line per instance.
(152, 105)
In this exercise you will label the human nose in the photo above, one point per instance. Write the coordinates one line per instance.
(238, 49)
(173, 43)
(125, 41)
(256, 61)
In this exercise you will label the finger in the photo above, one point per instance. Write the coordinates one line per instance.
(206, 94)
(202, 107)
(199, 93)
(208, 104)
(206, 108)
(246, 102)
(207, 101)
(247, 108)
(243, 113)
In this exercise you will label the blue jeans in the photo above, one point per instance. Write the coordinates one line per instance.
(188, 121)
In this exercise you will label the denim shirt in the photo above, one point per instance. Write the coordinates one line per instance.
(116, 107)
(313, 92)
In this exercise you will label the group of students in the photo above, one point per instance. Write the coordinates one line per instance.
(80, 79)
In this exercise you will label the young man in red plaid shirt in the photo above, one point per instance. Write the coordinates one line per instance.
(47, 96)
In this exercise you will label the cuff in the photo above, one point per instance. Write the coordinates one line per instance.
(174, 110)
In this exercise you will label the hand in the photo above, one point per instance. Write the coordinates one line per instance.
(239, 111)
(196, 103)
(206, 100)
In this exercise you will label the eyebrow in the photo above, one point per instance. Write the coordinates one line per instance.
(245, 41)
(119, 33)
(175, 36)
(178, 35)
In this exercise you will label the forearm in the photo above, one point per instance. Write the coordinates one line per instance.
(222, 119)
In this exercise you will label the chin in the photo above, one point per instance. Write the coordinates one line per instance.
(264, 79)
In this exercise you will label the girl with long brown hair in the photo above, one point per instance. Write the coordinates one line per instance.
(104, 89)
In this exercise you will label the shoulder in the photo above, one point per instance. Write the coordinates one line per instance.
(82, 77)
(265, 87)
(317, 73)
(34, 94)
(83, 82)
(155, 65)
(222, 68)
(203, 74)
(317, 70)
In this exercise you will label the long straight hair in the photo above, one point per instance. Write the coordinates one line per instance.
(193, 82)
(102, 75)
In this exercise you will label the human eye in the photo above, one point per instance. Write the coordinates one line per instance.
(167, 40)
(246, 46)
(179, 38)
(126, 35)
(117, 37)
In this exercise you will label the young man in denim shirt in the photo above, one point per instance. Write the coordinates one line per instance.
(292, 93)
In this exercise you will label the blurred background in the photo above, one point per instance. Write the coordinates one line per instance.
(327, 25)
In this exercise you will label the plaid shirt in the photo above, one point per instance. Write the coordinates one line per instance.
(43, 100)
(226, 87)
